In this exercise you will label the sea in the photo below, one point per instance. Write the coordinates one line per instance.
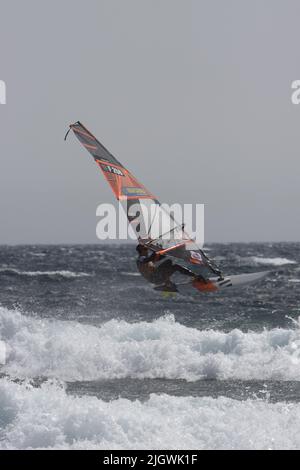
(93, 358)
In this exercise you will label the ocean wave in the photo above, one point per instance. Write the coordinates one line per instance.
(49, 418)
(127, 273)
(161, 349)
(259, 260)
(63, 273)
(38, 255)
(272, 261)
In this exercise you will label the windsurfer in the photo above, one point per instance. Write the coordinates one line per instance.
(161, 273)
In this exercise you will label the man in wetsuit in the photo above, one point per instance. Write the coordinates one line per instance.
(159, 274)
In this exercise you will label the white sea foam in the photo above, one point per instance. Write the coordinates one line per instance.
(272, 261)
(63, 273)
(162, 348)
(125, 273)
(38, 255)
(48, 417)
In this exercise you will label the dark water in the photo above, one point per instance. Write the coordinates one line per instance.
(114, 290)
(92, 357)
(91, 285)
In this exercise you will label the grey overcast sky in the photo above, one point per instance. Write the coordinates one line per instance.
(193, 96)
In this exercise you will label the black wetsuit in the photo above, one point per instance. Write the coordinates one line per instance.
(159, 274)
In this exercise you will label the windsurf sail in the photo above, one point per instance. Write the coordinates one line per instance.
(153, 225)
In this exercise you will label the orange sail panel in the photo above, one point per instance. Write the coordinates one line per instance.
(122, 182)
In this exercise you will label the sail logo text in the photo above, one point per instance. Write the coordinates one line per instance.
(2, 92)
(112, 169)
